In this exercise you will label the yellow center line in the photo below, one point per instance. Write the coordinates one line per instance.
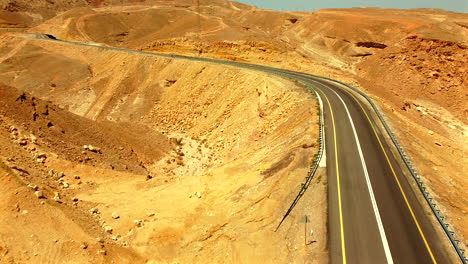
(343, 249)
(396, 179)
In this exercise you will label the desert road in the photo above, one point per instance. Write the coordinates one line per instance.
(374, 213)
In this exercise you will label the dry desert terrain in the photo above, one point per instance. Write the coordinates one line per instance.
(116, 157)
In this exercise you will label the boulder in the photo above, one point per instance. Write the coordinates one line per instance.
(108, 229)
(57, 197)
(32, 186)
(115, 215)
(39, 194)
(138, 223)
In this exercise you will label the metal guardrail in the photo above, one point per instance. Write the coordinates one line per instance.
(315, 163)
(288, 74)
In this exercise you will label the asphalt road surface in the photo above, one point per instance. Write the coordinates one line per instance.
(374, 214)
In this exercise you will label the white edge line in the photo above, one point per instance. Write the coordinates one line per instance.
(388, 254)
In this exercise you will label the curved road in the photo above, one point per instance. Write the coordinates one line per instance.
(374, 214)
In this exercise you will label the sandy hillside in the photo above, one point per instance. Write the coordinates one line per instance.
(412, 62)
(175, 168)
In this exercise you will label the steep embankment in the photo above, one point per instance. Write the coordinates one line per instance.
(193, 159)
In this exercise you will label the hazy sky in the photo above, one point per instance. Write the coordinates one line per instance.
(310, 5)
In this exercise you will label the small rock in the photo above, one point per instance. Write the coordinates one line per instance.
(23, 142)
(39, 194)
(76, 177)
(150, 214)
(57, 197)
(100, 240)
(115, 215)
(75, 199)
(108, 229)
(32, 186)
(198, 194)
(308, 145)
(430, 132)
(115, 238)
(102, 252)
(65, 185)
(138, 223)
(437, 143)
(94, 211)
(84, 246)
(25, 212)
(33, 139)
(92, 148)
(434, 74)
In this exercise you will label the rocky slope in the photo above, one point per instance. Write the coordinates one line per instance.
(139, 158)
